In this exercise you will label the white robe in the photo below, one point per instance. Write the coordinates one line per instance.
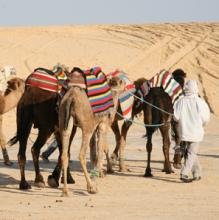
(192, 113)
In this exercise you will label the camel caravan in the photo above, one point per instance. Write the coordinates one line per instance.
(58, 102)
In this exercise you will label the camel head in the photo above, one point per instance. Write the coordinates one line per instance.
(138, 83)
(116, 84)
(179, 75)
(15, 84)
(76, 71)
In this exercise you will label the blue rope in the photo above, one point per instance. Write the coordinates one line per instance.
(142, 124)
(154, 106)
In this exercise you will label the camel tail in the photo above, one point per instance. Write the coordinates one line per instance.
(24, 120)
(67, 115)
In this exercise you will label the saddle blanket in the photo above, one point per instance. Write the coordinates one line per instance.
(52, 81)
(98, 91)
(170, 85)
(126, 99)
(76, 79)
(43, 81)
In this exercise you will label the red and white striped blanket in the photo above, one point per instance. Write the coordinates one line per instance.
(165, 80)
(46, 79)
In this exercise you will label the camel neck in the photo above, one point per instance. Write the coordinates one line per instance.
(10, 101)
(116, 94)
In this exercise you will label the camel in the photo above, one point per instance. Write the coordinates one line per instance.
(158, 97)
(75, 110)
(153, 116)
(179, 75)
(120, 136)
(36, 107)
(8, 101)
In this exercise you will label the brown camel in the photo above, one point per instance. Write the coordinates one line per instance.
(9, 101)
(36, 107)
(75, 110)
(120, 136)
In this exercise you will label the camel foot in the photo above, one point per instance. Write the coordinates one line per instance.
(110, 170)
(102, 173)
(167, 171)
(148, 173)
(24, 185)
(70, 180)
(177, 165)
(123, 168)
(39, 181)
(52, 182)
(40, 184)
(92, 189)
(113, 159)
(65, 193)
(8, 163)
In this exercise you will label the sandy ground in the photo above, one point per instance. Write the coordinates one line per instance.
(140, 50)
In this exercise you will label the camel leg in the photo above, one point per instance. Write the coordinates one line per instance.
(22, 157)
(166, 147)
(108, 159)
(150, 132)
(103, 147)
(86, 136)
(3, 145)
(65, 136)
(35, 150)
(122, 144)
(94, 158)
(53, 179)
(93, 151)
(5, 153)
(70, 179)
(116, 131)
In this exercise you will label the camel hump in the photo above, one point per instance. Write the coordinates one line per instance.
(40, 69)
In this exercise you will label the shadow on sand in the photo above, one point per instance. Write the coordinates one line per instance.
(209, 155)
(44, 166)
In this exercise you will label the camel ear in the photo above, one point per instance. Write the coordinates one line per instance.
(9, 83)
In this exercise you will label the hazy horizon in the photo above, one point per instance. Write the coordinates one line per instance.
(85, 12)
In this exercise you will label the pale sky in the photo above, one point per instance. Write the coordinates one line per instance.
(59, 12)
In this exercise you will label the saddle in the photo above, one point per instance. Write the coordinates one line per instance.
(94, 82)
(165, 80)
(49, 80)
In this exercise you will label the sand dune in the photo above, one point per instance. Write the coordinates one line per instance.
(139, 50)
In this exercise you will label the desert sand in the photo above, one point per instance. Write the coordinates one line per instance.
(139, 50)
